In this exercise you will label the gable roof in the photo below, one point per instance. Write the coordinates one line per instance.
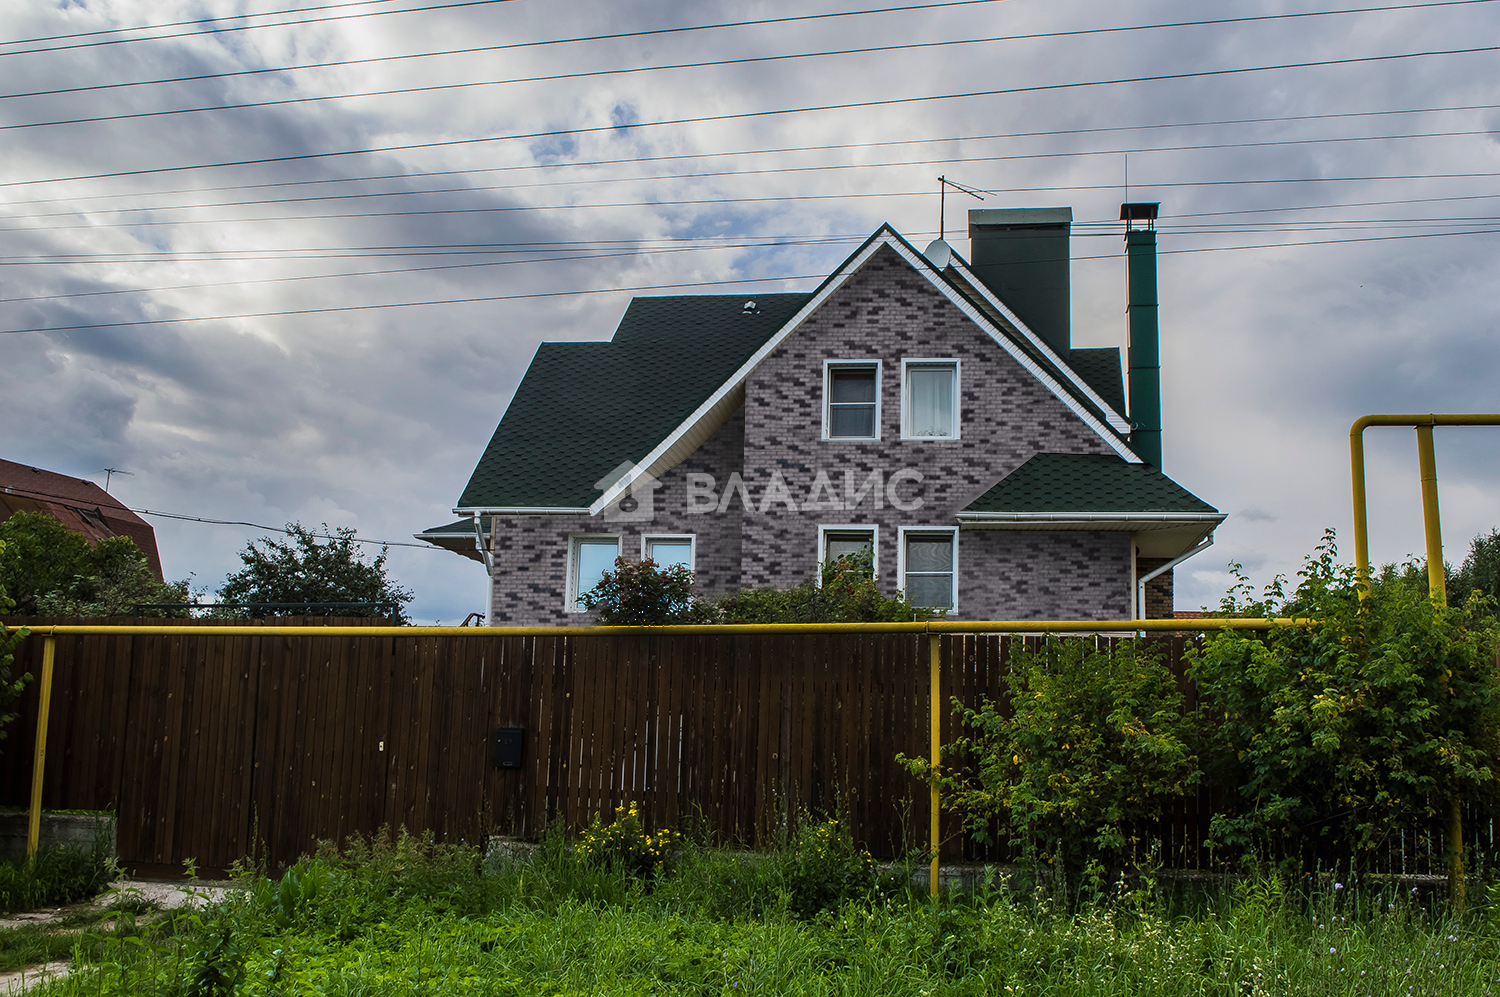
(1088, 483)
(79, 504)
(676, 368)
(582, 409)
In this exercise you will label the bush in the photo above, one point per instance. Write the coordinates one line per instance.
(1095, 746)
(56, 877)
(302, 570)
(1330, 738)
(845, 592)
(642, 593)
(51, 571)
(826, 869)
(623, 845)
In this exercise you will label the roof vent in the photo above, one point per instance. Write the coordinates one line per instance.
(750, 309)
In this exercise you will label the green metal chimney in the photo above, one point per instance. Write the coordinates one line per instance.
(1144, 350)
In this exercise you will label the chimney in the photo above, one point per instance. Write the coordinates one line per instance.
(1143, 351)
(1022, 255)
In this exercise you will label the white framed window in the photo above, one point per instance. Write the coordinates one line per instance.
(927, 566)
(929, 399)
(851, 399)
(838, 540)
(667, 549)
(590, 555)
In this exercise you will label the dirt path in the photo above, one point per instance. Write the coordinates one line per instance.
(163, 895)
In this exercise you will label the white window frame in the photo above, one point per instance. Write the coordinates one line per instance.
(692, 542)
(828, 367)
(957, 366)
(826, 528)
(903, 532)
(570, 590)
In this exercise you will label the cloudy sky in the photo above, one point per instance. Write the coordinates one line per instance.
(290, 263)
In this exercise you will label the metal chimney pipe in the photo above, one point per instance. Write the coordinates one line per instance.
(1144, 352)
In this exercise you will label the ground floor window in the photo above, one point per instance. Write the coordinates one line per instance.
(835, 542)
(589, 557)
(928, 560)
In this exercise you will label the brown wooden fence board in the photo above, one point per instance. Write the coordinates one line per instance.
(211, 746)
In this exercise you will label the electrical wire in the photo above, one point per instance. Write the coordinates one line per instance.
(770, 171)
(276, 529)
(732, 24)
(586, 74)
(693, 202)
(201, 20)
(657, 287)
(746, 115)
(551, 41)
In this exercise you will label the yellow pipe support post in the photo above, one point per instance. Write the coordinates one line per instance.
(1437, 581)
(936, 711)
(39, 767)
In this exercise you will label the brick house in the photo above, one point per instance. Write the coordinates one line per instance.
(929, 408)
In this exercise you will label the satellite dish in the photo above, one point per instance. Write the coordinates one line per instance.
(938, 253)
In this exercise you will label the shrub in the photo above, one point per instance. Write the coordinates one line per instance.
(845, 592)
(624, 845)
(55, 877)
(1095, 746)
(1332, 737)
(642, 593)
(826, 869)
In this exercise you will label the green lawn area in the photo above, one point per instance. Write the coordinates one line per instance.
(398, 917)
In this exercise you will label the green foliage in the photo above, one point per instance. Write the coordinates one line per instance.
(51, 571)
(1479, 574)
(845, 592)
(1330, 738)
(1093, 745)
(56, 877)
(624, 844)
(826, 869)
(10, 688)
(642, 593)
(302, 570)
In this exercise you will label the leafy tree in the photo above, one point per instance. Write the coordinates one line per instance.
(1480, 572)
(642, 593)
(302, 570)
(1092, 748)
(10, 688)
(1329, 738)
(52, 571)
(848, 593)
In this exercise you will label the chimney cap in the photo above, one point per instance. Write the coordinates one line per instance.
(1139, 211)
(1020, 216)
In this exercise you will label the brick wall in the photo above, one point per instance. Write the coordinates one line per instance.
(1159, 595)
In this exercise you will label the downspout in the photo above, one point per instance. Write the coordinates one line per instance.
(1140, 583)
(488, 558)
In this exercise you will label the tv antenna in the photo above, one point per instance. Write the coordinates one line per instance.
(943, 184)
(110, 472)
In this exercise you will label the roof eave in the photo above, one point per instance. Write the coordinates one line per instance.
(1132, 522)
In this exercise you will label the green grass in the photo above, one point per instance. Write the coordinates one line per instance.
(403, 918)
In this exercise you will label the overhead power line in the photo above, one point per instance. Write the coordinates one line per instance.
(480, 49)
(490, 298)
(277, 529)
(745, 115)
(720, 200)
(769, 171)
(535, 44)
(889, 143)
(585, 74)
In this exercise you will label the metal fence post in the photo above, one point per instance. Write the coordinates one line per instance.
(39, 767)
(935, 710)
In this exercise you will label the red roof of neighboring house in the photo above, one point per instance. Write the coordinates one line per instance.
(79, 504)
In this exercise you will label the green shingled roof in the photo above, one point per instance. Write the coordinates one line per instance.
(1100, 369)
(584, 408)
(1057, 482)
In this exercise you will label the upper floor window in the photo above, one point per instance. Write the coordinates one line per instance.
(929, 403)
(851, 393)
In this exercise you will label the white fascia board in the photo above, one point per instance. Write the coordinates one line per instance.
(1132, 520)
(668, 451)
(522, 511)
(1118, 422)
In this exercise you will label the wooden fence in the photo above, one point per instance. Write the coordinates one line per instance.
(208, 746)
